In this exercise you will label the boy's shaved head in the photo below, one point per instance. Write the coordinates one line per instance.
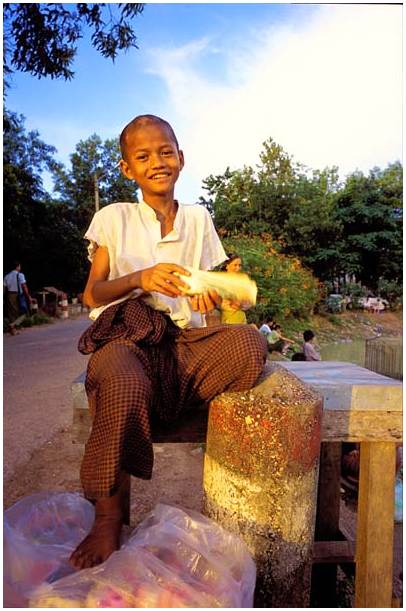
(143, 121)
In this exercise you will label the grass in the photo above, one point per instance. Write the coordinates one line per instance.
(336, 320)
(39, 318)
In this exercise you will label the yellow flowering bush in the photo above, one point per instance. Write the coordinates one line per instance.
(285, 287)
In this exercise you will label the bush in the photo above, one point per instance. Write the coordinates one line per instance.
(392, 291)
(39, 318)
(285, 288)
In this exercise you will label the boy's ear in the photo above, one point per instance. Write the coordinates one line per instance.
(181, 159)
(125, 169)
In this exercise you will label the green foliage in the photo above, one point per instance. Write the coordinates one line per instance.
(369, 209)
(39, 318)
(285, 288)
(39, 232)
(42, 38)
(312, 231)
(392, 291)
(335, 229)
(76, 185)
(335, 320)
(252, 202)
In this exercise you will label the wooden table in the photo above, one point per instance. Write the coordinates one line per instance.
(365, 407)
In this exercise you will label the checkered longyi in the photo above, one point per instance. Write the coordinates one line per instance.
(143, 365)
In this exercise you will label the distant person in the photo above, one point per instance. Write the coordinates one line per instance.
(284, 342)
(17, 297)
(274, 338)
(233, 312)
(309, 350)
(298, 356)
(266, 326)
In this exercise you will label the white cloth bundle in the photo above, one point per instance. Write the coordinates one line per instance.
(235, 286)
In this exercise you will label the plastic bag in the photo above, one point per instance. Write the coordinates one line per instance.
(40, 533)
(174, 559)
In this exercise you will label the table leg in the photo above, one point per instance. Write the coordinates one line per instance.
(324, 576)
(374, 546)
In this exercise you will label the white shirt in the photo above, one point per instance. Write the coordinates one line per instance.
(10, 281)
(132, 235)
(265, 329)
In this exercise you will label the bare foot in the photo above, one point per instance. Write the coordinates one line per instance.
(100, 543)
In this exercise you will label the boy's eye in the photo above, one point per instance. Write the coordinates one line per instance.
(141, 157)
(166, 153)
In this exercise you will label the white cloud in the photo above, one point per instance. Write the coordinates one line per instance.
(328, 90)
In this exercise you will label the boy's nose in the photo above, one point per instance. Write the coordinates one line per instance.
(156, 161)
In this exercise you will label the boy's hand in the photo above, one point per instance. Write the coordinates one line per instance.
(161, 278)
(205, 302)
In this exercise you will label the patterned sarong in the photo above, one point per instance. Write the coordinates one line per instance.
(144, 366)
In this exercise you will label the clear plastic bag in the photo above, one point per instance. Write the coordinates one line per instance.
(174, 559)
(40, 533)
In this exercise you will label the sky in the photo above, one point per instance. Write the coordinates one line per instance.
(324, 81)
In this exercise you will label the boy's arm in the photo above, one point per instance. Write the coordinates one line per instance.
(101, 291)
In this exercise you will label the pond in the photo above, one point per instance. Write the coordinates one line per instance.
(351, 352)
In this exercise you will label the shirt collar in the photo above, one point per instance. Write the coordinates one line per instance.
(150, 213)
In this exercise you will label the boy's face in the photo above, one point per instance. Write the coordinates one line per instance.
(152, 160)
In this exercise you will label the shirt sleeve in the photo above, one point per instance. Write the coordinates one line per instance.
(21, 278)
(96, 235)
(213, 252)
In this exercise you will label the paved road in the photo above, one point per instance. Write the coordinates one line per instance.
(39, 365)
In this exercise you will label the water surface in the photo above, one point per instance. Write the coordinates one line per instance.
(350, 352)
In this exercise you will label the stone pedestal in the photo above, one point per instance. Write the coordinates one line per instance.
(260, 480)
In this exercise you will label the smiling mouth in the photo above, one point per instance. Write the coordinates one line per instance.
(159, 176)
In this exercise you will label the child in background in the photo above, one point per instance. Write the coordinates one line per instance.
(152, 355)
(310, 352)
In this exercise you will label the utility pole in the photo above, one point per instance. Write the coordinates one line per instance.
(96, 192)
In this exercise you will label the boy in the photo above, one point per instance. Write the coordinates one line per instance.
(152, 353)
(309, 350)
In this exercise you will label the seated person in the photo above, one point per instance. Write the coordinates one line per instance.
(152, 355)
(310, 352)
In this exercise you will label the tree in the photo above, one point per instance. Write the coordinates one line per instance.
(254, 201)
(93, 159)
(41, 38)
(313, 231)
(24, 158)
(37, 231)
(232, 206)
(370, 211)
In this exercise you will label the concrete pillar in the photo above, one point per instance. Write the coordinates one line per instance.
(260, 480)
